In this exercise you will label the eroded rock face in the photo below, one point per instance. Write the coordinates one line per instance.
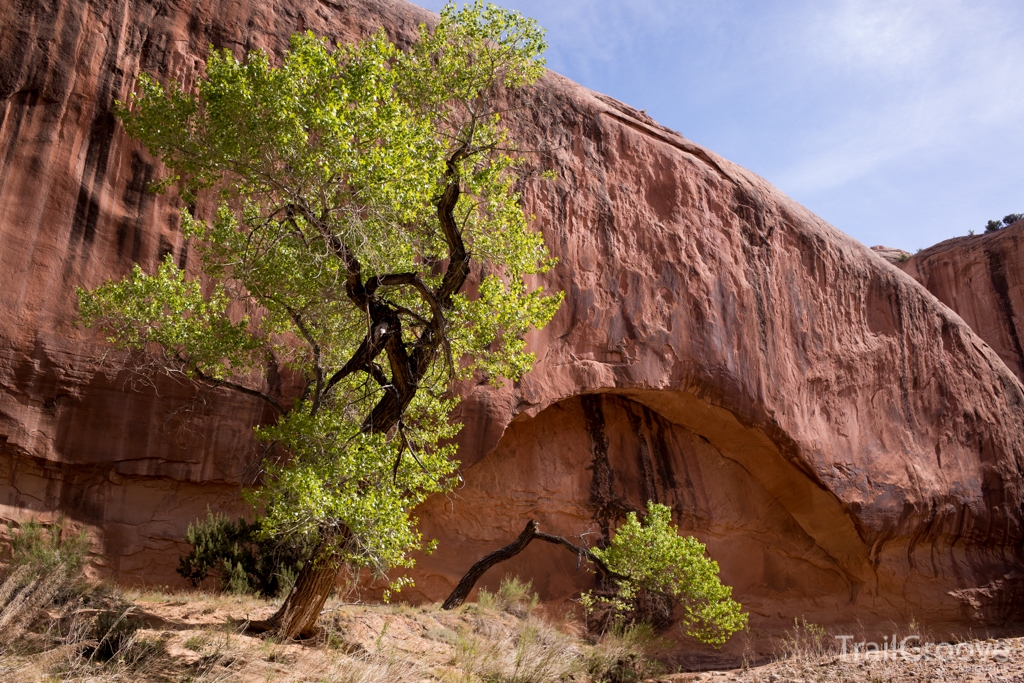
(848, 448)
(981, 277)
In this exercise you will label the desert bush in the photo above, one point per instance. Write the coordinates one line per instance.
(22, 597)
(240, 556)
(105, 645)
(115, 633)
(196, 642)
(45, 569)
(806, 641)
(658, 571)
(46, 549)
(533, 650)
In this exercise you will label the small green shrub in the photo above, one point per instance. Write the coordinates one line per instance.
(44, 550)
(486, 600)
(242, 558)
(512, 591)
(664, 570)
(196, 642)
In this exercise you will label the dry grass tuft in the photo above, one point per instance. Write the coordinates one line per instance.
(22, 596)
(533, 651)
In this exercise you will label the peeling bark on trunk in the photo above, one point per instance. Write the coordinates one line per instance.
(298, 614)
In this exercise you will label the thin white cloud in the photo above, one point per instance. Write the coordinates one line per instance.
(933, 77)
(883, 37)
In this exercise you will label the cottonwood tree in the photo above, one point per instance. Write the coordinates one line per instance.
(357, 187)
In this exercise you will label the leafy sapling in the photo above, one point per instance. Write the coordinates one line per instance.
(659, 568)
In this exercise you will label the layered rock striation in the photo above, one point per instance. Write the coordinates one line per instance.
(847, 446)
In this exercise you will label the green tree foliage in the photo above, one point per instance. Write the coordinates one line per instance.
(241, 557)
(656, 561)
(356, 187)
(1007, 221)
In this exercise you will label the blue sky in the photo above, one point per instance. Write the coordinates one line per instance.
(900, 122)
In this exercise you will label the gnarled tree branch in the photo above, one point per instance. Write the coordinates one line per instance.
(234, 386)
(531, 532)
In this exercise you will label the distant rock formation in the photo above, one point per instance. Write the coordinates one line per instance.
(981, 277)
(849, 449)
(890, 254)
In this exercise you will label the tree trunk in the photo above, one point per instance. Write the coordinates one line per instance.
(298, 615)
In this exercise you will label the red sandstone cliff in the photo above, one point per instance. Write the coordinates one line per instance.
(981, 277)
(846, 445)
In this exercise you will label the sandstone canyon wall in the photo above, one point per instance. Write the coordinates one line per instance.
(846, 445)
(981, 277)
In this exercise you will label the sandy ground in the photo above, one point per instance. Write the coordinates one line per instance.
(201, 638)
(976, 662)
